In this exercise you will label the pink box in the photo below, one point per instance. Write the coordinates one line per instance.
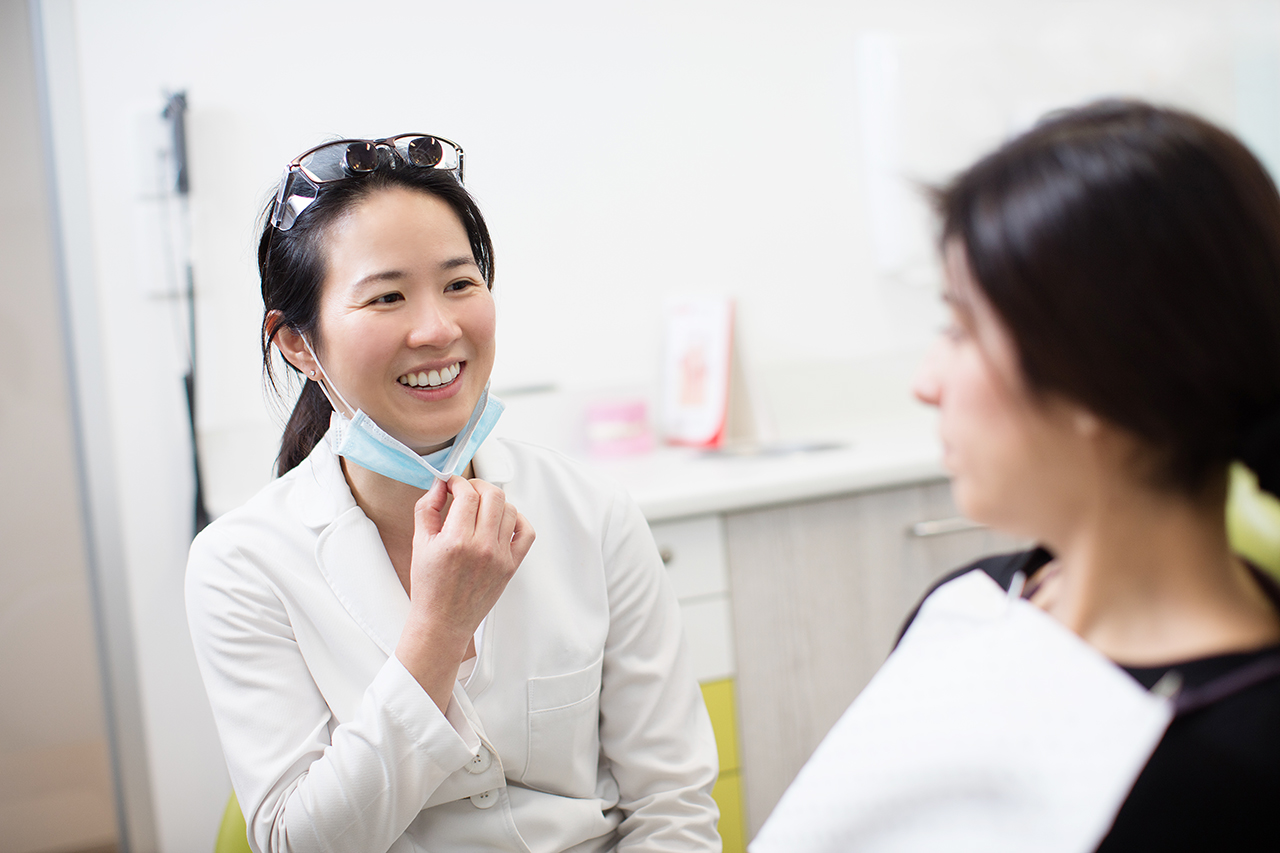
(618, 428)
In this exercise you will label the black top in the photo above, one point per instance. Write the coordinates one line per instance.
(1213, 782)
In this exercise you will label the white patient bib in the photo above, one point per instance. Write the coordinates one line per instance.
(990, 728)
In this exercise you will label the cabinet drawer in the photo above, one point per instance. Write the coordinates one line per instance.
(694, 553)
(708, 632)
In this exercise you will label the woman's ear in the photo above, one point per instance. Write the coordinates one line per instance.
(1085, 423)
(291, 344)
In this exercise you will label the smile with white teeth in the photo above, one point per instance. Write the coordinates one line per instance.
(431, 378)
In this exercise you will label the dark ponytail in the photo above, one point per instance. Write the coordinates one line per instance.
(1259, 449)
(306, 426)
(291, 265)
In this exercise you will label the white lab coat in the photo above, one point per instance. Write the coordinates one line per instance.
(581, 727)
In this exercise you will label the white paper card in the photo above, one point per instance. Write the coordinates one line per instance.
(697, 345)
(991, 728)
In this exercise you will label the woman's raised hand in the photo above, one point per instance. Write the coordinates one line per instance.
(462, 561)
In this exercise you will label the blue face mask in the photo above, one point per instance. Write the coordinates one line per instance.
(366, 444)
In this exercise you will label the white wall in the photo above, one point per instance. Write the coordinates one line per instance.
(622, 153)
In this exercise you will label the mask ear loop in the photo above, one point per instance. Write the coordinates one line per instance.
(327, 384)
(462, 439)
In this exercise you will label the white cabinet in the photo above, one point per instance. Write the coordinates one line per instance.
(693, 550)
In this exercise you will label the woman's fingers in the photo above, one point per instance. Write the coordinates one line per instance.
(500, 522)
(429, 510)
(466, 502)
(522, 538)
(479, 510)
(492, 506)
(507, 528)
(476, 534)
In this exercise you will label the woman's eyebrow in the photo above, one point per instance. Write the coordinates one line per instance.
(397, 275)
(378, 277)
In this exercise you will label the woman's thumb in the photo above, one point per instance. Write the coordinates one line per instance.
(428, 513)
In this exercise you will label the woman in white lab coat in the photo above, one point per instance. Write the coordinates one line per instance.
(393, 661)
(1113, 278)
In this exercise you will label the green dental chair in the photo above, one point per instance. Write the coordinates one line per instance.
(233, 835)
(1253, 521)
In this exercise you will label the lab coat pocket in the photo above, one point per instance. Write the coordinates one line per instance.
(564, 732)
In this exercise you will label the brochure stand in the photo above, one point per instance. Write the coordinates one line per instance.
(705, 398)
(697, 350)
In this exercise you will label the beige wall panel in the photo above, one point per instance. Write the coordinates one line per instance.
(55, 786)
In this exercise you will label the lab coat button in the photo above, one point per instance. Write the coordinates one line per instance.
(481, 762)
(485, 800)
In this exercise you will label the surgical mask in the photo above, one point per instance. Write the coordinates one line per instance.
(366, 444)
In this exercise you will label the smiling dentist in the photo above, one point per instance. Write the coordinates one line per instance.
(392, 661)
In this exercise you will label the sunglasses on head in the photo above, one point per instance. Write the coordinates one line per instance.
(347, 158)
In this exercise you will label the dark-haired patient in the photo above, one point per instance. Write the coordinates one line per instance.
(1113, 279)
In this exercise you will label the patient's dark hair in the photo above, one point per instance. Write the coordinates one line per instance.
(1133, 253)
(292, 267)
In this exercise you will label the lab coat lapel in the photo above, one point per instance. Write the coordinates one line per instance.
(349, 551)
(320, 493)
(353, 560)
(493, 464)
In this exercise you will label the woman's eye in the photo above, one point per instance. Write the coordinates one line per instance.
(461, 284)
(387, 299)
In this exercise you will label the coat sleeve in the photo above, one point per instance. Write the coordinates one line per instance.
(304, 782)
(654, 728)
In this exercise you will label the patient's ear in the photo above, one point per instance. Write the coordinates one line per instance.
(1085, 423)
(290, 343)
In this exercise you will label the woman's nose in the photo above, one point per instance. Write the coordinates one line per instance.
(927, 385)
(433, 326)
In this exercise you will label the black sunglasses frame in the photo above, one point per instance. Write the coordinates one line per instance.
(299, 185)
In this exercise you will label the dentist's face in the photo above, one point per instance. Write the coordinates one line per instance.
(406, 321)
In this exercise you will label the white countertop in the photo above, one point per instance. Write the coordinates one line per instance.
(675, 482)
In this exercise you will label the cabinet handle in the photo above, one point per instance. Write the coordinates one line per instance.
(942, 526)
